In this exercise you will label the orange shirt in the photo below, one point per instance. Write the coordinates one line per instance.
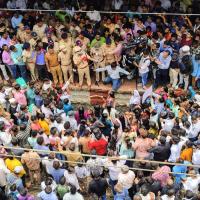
(186, 154)
(52, 59)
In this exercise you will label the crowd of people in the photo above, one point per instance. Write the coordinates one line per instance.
(75, 152)
(144, 6)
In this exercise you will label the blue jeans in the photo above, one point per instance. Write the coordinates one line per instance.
(116, 83)
(112, 184)
(23, 72)
(13, 69)
(144, 78)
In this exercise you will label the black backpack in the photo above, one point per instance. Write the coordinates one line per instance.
(186, 64)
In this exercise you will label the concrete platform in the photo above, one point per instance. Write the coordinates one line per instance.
(122, 96)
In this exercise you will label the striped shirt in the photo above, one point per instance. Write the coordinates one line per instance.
(22, 136)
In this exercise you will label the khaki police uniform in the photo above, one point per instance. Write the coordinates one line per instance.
(33, 42)
(54, 66)
(68, 43)
(65, 58)
(80, 59)
(29, 57)
(85, 42)
(40, 30)
(27, 37)
(98, 54)
(108, 49)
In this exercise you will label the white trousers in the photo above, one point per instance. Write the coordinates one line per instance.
(173, 74)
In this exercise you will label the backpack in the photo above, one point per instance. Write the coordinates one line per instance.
(186, 64)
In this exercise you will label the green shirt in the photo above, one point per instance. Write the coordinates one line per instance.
(94, 41)
(61, 15)
(62, 190)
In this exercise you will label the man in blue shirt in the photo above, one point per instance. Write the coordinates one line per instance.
(67, 106)
(40, 62)
(163, 62)
(164, 46)
(16, 55)
(41, 146)
(56, 171)
(16, 20)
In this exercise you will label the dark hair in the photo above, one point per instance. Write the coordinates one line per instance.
(67, 125)
(40, 140)
(42, 116)
(33, 117)
(66, 101)
(50, 47)
(14, 141)
(73, 189)
(56, 164)
(12, 47)
(34, 133)
(53, 130)
(62, 180)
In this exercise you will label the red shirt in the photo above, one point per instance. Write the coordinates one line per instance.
(100, 146)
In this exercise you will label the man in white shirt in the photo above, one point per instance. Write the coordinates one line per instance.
(5, 136)
(117, 4)
(169, 196)
(11, 4)
(94, 15)
(196, 155)
(21, 4)
(192, 182)
(195, 123)
(166, 4)
(126, 177)
(113, 75)
(46, 109)
(114, 167)
(143, 67)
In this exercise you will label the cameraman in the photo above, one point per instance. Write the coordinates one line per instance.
(185, 64)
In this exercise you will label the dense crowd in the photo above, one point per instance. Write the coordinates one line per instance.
(144, 6)
(85, 152)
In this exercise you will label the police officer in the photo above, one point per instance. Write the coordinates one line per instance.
(34, 40)
(65, 58)
(81, 59)
(108, 48)
(97, 52)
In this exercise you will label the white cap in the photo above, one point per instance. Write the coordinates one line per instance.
(185, 48)
(18, 169)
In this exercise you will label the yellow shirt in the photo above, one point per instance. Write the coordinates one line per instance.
(11, 164)
(45, 126)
